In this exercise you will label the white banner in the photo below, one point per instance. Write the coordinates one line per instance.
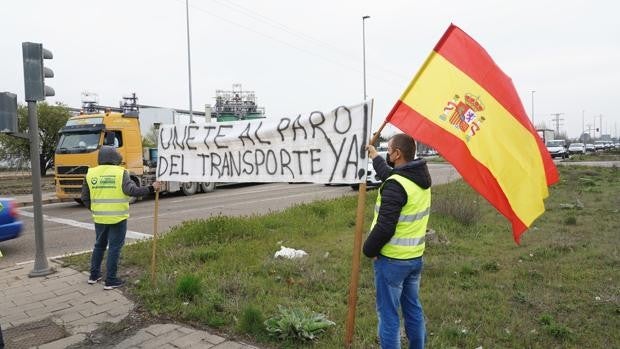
(317, 147)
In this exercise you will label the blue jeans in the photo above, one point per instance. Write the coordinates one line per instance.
(398, 283)
(114, 236)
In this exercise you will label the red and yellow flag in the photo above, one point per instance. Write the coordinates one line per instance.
(464, 106)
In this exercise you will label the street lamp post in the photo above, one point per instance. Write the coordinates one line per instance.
(189, 63)
(533, 109)
(364, 50)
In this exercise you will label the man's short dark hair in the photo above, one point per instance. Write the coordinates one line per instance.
(406, 144)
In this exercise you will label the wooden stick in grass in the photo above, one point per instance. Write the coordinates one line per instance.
(357, 247)
(154, 243)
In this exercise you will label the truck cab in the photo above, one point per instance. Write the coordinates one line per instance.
(79, 144)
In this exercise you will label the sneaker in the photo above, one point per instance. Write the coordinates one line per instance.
(110, 285)
(94, 280)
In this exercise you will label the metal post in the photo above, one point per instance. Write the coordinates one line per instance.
(594, 124)
(41, 268)
(533, 109)
(189, 64)
(364, 51)
(583, 123)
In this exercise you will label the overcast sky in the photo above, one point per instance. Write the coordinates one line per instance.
(304, 56)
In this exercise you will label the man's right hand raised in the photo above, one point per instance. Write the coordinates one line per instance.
(372, 152)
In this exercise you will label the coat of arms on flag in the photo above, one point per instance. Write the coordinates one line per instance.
(464, 114)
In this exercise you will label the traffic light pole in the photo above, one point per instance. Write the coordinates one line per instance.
(35, 90)
(41, 267)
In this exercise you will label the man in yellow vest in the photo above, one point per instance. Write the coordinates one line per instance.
(396, 240)
(106, 193)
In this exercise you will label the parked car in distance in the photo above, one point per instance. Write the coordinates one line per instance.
(429, 152)
(10, 226)
(577, 148)
(557, 148)
(372, 181)
(600, 145)
(590, 147)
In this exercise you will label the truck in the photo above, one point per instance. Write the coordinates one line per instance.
(84, 134)
(546, 134)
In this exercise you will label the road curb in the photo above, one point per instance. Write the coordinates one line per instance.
(43, 202)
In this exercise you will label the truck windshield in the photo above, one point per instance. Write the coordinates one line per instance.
(78, 142)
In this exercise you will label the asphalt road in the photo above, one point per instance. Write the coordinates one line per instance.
(68, 227)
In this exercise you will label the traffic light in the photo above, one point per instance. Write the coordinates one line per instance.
(35, 73)
(8, 112)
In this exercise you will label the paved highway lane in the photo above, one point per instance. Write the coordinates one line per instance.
(68, 226)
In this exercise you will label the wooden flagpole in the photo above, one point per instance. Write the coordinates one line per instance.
(154, 243)
(355, 269)
(357, 250)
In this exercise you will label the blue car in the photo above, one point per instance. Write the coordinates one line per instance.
(10, 225)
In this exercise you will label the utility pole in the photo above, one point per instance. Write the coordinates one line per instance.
(557, 120)
(583, 127)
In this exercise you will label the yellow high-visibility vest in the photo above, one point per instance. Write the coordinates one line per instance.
(409, 238)
(108, 203)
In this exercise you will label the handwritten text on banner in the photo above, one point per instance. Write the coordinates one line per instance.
(316, 147)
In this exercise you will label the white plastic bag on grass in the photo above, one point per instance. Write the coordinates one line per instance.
(289, 253)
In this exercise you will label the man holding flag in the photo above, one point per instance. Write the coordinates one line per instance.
(465, 107)
(396, 240)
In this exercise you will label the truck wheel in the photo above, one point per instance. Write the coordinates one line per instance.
(189, 188)
(207, 187)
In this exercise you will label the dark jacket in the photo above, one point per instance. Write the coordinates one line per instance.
(393, 198)
(109, 156)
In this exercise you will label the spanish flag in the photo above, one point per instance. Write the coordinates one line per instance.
(463, 105)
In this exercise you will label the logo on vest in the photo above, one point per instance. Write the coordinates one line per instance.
(93, 181)
(464, 114)
(107, 180)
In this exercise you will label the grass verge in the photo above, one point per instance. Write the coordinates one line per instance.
(558, 289)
